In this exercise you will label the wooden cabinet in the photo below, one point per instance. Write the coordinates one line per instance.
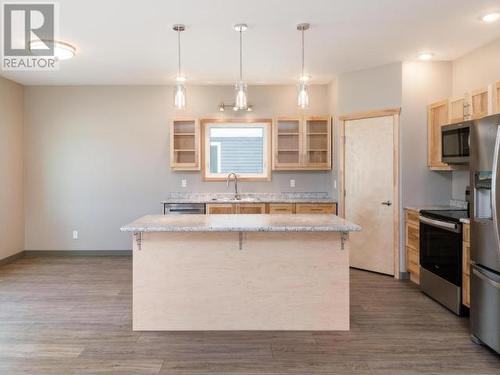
(185, 145)
(281, 208)
(216, 208)
(466, 266)
(302, 143)
(312, 208)
(456, 110)
(437, 116)
(251, 208)
(412, 229)
(479, 103)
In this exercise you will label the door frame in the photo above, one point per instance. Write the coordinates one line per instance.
(395, 113)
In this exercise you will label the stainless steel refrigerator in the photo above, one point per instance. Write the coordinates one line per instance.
(485, 231)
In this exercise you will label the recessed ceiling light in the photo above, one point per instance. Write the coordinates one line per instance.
(62, 50)
(491, 17)
(425, 56)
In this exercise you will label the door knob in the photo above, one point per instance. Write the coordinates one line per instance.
(387, 203)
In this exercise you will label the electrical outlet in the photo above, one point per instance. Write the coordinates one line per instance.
(292, 183)
(335, 184)
(184, 182)
(75, 234)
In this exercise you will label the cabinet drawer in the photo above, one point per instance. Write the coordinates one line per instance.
(251, 208)
(466, 236)
(214, 209)
(413, 237)
(281, 208)
(309, 208)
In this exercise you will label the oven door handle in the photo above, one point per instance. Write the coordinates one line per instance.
(494, 190)
(440, 224)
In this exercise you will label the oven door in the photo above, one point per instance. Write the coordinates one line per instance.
(441, 249)
(455, 143)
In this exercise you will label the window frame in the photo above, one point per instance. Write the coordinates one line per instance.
(205, 147)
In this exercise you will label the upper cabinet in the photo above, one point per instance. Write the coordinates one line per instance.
(456, 110)
(437, 117)
(302, 143)
(479, 103)
(185, 145)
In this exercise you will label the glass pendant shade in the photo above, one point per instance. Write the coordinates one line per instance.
(180, 96)
(241, 96)
(303, 96)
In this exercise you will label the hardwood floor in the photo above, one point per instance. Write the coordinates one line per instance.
(72, 316)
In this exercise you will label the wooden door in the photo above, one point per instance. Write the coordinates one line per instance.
(217, 208)
(437, 117)
(496, 97)
(369, 182)
(251, 208)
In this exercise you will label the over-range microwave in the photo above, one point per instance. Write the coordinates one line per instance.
(455, 143)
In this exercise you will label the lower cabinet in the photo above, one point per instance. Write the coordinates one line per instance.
(412, 230)
(251, 208)
(215, 208)
(271, 208)
(466, 265)
(310, 208)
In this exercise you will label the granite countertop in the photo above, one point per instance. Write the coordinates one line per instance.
(305, 197)
(241, 223)
(436, 207)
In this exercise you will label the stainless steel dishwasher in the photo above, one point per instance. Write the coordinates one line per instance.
(183, 208)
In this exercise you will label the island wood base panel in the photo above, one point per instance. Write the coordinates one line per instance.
(279, 281)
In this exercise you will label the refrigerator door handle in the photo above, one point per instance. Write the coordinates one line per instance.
(494, 182)
(483, 277)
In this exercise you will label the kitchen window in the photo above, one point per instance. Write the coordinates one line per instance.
(240, 147)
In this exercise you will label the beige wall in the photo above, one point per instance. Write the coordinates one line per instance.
(11, 169)
(97, 157)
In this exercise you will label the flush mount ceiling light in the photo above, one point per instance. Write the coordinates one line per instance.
(425, 56)
(240, 102)
(62, 50)
(303, 93)
(180, 89)
(491, 17)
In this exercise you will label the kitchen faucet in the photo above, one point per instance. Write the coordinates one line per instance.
(236, 195)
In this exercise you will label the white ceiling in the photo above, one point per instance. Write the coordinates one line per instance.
(131, 41)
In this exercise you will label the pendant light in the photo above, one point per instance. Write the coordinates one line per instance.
(180, 89)
(241, 88)
(303, 93)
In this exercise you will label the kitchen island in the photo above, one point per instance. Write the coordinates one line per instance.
(240, 272)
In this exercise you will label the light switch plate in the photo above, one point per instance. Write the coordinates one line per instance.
(292, 183)
(183, 182)
(75, 234)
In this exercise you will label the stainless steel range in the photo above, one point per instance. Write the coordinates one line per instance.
(441, 257)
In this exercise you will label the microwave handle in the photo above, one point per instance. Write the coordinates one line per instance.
(494, 190)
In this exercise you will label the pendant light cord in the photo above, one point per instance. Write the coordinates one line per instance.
(302, 54)
(179, 49)
(241, 55)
